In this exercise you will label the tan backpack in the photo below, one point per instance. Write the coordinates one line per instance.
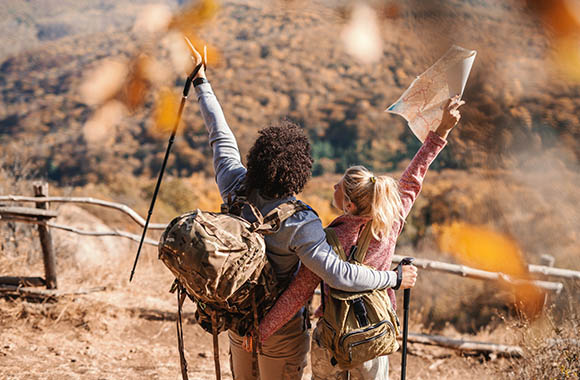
(219, 261)
(361, 326)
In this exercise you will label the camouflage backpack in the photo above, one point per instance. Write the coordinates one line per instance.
(219, 261)
(361, 326)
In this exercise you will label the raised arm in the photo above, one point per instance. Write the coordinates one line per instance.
(412, 178)
(227, 162)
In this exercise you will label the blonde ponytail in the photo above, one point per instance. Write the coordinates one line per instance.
(377, 197)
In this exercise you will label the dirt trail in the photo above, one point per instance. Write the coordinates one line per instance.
(128, 330)
(90, 339)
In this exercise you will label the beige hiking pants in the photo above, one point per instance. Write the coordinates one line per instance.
(283, 355)
(322, 369)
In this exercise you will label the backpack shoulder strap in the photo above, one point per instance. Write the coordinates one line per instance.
(363, 243)
(274, 219)
(332, 239)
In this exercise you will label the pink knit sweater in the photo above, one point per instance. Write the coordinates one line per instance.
(347, 227)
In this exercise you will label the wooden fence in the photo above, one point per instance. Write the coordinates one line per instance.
(42, 216)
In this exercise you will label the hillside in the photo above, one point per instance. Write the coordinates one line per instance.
(285, 60)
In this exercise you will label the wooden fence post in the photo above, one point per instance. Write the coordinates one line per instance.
(41, 190)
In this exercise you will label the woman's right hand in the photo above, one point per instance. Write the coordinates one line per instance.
(450, 117)
(409, 276)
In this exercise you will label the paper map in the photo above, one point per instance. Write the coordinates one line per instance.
(422, 103)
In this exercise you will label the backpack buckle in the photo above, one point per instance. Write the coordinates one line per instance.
(176, 284)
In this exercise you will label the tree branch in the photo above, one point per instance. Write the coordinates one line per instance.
(124, 234)
(466, 345)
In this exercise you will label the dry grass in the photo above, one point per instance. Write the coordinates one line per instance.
(551, 344)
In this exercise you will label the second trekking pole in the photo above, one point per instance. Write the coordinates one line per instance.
(171, 138)
(406, 301)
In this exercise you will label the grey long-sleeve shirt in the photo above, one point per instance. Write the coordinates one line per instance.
(301, 237)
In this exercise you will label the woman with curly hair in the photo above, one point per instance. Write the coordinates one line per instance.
(385, 203)
(278, 166)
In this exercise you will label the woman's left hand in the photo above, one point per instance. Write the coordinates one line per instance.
(450, 117)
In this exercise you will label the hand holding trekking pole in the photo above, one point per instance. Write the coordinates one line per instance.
(198, 59)
(409, 276)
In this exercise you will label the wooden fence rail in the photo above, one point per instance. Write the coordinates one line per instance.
(465, 271)
(455, 269)
(87, 200)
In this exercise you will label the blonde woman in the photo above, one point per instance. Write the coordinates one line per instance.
(362, 196)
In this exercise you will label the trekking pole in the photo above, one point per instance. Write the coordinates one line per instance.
(171, 138)
(406, 301)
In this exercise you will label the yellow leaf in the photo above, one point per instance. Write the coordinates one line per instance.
(166, 110)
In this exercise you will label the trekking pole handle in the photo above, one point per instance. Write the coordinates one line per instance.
(189, 79)
(407, 261)
(399, 270)
(407, 292)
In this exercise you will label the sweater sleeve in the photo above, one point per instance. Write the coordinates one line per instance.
(308, 241)
(290, 302)
(227, 163)
(412, 178)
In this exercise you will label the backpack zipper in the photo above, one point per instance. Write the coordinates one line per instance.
(345, 336)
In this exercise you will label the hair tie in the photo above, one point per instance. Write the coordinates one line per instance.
(373, 179)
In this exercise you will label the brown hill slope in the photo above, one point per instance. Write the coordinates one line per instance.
(286, 59)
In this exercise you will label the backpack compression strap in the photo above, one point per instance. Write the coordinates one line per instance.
(180, 299)
(181, 294)
(216, 350)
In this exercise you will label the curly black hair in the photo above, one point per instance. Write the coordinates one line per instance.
(279, 163)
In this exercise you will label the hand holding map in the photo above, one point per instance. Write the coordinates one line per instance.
(422, 103)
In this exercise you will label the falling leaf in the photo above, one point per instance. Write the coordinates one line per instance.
(166, 109)
(562, 20)
(562, 17)
(157, 72)
(99, 130)
(567, 56)
(137, 83)
(104, 82)
(361, 35)
(178, 52)
(482, 248)
(190, 18)
(154, 18)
